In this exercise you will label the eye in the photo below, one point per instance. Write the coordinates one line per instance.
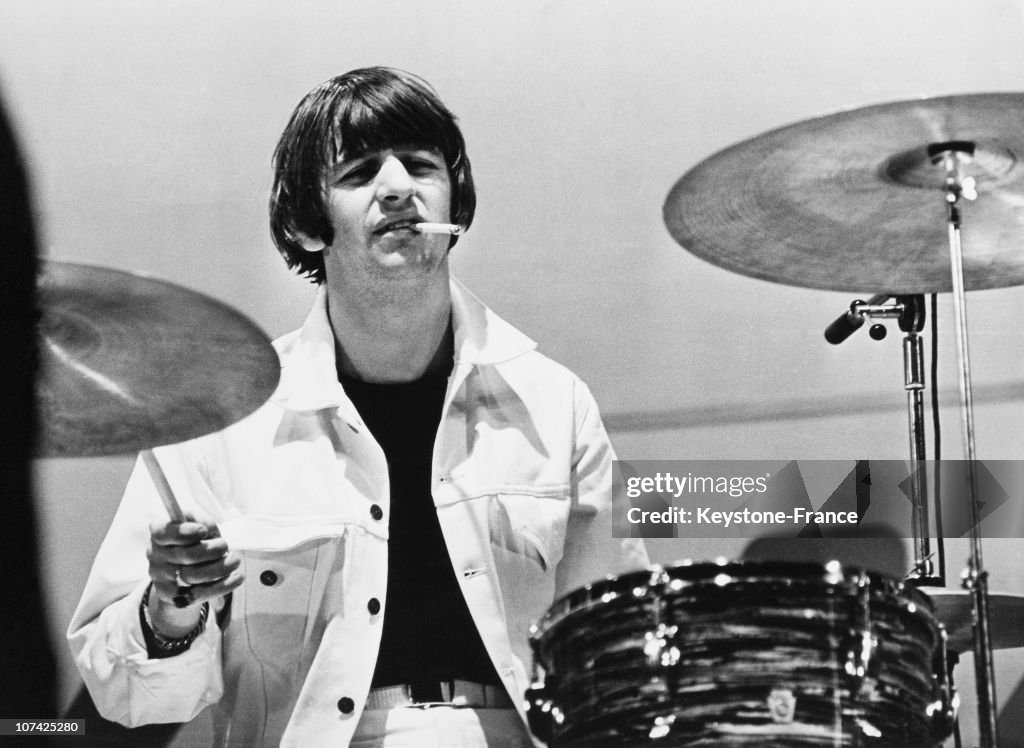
(358, 174)
(422, 164)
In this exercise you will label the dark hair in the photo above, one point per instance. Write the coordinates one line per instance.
(363, 110)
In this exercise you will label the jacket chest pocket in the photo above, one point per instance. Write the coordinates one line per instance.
(275, 610)
(530, 528)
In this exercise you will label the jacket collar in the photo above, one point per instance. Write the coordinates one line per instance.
(308, 377)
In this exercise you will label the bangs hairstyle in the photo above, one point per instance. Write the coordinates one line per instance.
(361, 111)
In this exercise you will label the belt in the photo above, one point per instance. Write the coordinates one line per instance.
(463, 693)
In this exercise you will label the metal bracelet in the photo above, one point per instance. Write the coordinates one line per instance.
(167, 644)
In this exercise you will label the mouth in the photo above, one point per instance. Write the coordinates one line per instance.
(405, 224)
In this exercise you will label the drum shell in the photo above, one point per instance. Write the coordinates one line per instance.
(742, 653)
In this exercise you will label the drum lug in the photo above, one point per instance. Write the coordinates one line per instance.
(660, 647)
(860, 660)
(540, 712)
(860, 656)
(943, 710)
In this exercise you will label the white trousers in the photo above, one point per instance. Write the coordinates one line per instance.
(441, 727)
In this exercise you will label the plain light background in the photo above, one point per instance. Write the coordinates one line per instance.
(149, 129)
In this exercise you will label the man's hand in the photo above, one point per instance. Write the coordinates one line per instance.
(189, 564)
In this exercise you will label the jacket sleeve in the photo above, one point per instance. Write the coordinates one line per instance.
(105, 633)
(591, 552)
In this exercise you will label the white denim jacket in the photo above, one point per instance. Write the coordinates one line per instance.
(522, 483)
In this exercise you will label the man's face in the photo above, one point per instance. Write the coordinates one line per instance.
(372, 200)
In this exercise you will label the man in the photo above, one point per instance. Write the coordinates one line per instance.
(379, 536)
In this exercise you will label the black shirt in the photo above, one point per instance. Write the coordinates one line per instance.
(429, 635)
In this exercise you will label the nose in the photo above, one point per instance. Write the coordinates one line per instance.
(394, 183)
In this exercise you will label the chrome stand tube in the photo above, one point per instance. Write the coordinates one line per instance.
(975, 578)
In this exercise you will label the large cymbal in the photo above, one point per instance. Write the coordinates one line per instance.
(1006, 618)
(852, 202)
(129, 362)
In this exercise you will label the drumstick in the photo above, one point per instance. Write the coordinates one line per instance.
(183, 595)
(162, 486)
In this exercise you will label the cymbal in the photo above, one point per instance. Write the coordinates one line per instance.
(1005, 611)
(128, 362)
(851, 201)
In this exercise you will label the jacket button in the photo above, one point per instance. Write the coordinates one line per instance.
(268, 578)
(376, 512)
(346, 705)
(373, 606)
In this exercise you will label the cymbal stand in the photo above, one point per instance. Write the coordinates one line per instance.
(952, 156)
(911, 321)
(909, 311)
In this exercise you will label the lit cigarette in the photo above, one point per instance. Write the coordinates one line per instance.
(439, 228)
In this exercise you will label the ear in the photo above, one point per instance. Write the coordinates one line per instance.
(308, 243)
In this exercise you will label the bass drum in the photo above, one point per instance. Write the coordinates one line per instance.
(741, 654)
